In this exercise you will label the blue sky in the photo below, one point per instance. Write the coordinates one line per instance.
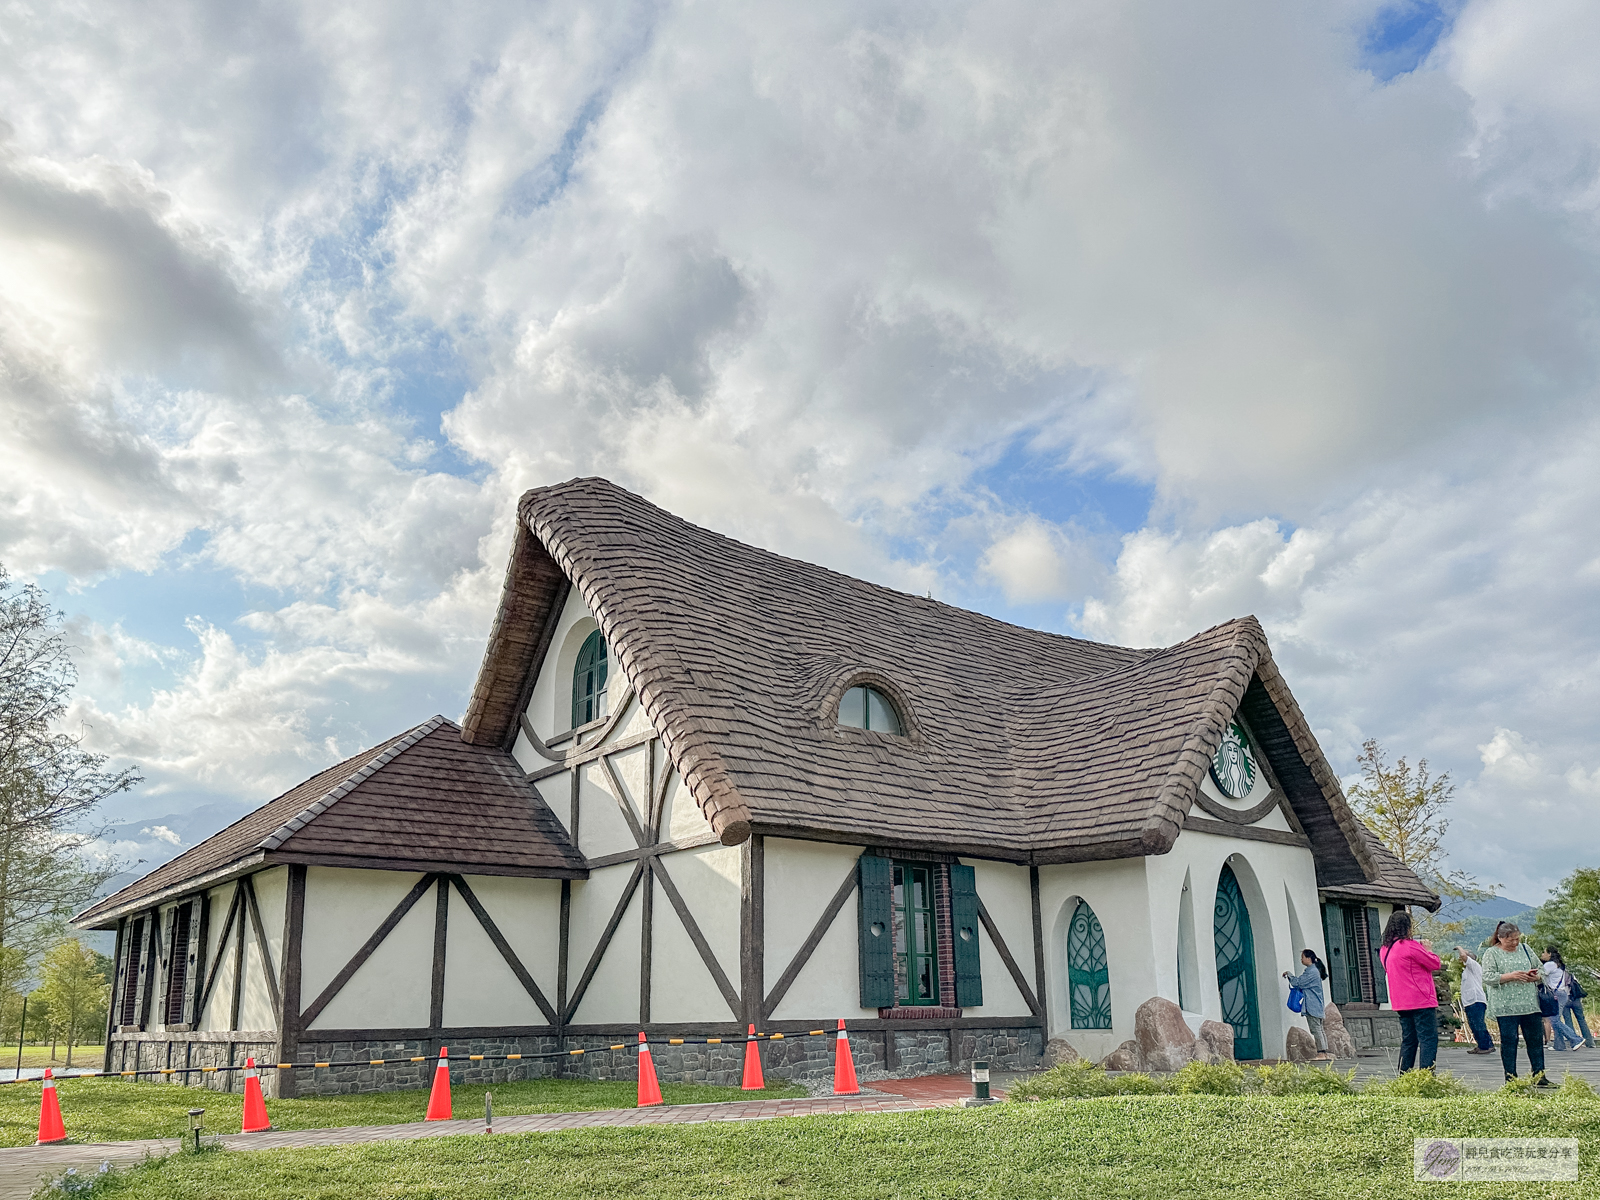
(1103, 319)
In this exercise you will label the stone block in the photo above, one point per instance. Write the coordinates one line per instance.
(1058, 1051)
(1340, 1043)
(1124, 1058)
(1299, 1046)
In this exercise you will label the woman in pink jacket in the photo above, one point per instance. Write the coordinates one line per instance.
(1410, 966)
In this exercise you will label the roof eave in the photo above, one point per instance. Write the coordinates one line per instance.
(108, 912)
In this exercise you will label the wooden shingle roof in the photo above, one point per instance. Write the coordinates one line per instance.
(424, 800)
(1022, 745)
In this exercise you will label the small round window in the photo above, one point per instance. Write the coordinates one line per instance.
(868, 708)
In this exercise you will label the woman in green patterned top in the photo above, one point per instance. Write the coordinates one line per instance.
(1511, 978)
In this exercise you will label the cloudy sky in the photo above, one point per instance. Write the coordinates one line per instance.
(1112, 318)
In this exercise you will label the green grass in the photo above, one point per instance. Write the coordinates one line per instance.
(83, 1057)
(99, 1110)
(1149, 1147)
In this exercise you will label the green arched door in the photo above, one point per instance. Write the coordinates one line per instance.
(1236, 967)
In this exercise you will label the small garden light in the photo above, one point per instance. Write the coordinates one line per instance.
(196, 1120)
(980, 1084)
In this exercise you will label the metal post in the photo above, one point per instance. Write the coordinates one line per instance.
(196, 1119)
(488, 1112)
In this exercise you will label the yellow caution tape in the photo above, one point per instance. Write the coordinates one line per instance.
(674, 1041)
(513, 1056)
(818, 1032)
(419, 1058)
(375, 1062)
(166, 1070)
(207, 1069)
(620, 1046)
(127, 1074)
(284, 1066)
(774, 1035)
(713, 1041)
(317, 1064)
(574, 1051)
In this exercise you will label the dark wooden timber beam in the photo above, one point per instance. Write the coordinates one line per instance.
(524, 977)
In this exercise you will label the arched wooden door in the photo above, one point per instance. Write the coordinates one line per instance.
(1236, 967)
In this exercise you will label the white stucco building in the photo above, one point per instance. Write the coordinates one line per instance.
(701, 786)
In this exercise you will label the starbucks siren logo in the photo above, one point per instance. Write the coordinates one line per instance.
(1233, 767)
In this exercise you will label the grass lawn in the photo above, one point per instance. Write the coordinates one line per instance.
(100, 1110)
(86, 1057)
(1155, 1147)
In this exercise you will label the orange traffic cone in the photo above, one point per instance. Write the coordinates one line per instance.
(439, 1098)
(753, 1082)
(844, 1067)
(255, 1104)
(51, 1130)
(649, 1089)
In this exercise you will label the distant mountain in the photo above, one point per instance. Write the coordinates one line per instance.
(1497, 908)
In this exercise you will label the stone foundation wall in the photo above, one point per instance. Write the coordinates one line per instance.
(161, 1051)
(878, 1054)
(1371, 1029)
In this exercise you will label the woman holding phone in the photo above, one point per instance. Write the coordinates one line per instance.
(1511, 977)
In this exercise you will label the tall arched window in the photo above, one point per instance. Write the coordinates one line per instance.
(1088, 978)
(868, 708)
(589, 681)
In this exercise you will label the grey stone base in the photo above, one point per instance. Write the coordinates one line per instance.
(878, 1054)
(1372, 1029)
(160, 1051)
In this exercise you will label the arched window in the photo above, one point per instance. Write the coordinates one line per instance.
(1088, 978)
(589, 681)
(868, 708)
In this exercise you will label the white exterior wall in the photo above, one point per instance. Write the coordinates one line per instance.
(681, 987)
(479, 986)
(1119, 894)
(344, 907)
(801, 877)
(1007, 894)
(613, 994)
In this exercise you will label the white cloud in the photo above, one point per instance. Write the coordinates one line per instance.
(162, 834)
(807, 274)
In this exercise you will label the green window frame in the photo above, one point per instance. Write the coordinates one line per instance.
(589, 681)
(1088, 974)
(865, 707)
(915, 891)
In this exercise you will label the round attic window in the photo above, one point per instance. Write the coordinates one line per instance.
(868, 708)
(1233, 767)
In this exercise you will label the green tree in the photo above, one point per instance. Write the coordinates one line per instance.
(1405, 806)
(1570, 918)
(49, 784)
(73, 983)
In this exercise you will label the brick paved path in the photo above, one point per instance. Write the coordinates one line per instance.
(23, 1167)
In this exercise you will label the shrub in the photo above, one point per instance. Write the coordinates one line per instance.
(1209, 1079)
(1292, 1079)
(1135, 1083)
(1420, 1085)
(1521, 1086)
(1575, 1087)
(1076, 1080)
(1081, 1078)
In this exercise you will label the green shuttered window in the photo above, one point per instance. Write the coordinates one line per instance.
(875, 907)
(964, 928)
(901, 915)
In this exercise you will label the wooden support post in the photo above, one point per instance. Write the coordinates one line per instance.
(1038, 945)
(294, 921)
(441, 920)
(238, 961)
(561, 970)
(752, 931)
(646, 939)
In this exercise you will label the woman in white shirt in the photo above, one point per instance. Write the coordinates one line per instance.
(1559, 983)
(1474, 1001)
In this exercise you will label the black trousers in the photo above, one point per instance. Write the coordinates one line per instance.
(1419, 1031)
(1531, 1026)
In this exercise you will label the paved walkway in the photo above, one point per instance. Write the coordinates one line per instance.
(22, 1168)
(1480, 1071)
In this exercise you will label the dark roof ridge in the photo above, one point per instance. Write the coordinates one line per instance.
(333, 795)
